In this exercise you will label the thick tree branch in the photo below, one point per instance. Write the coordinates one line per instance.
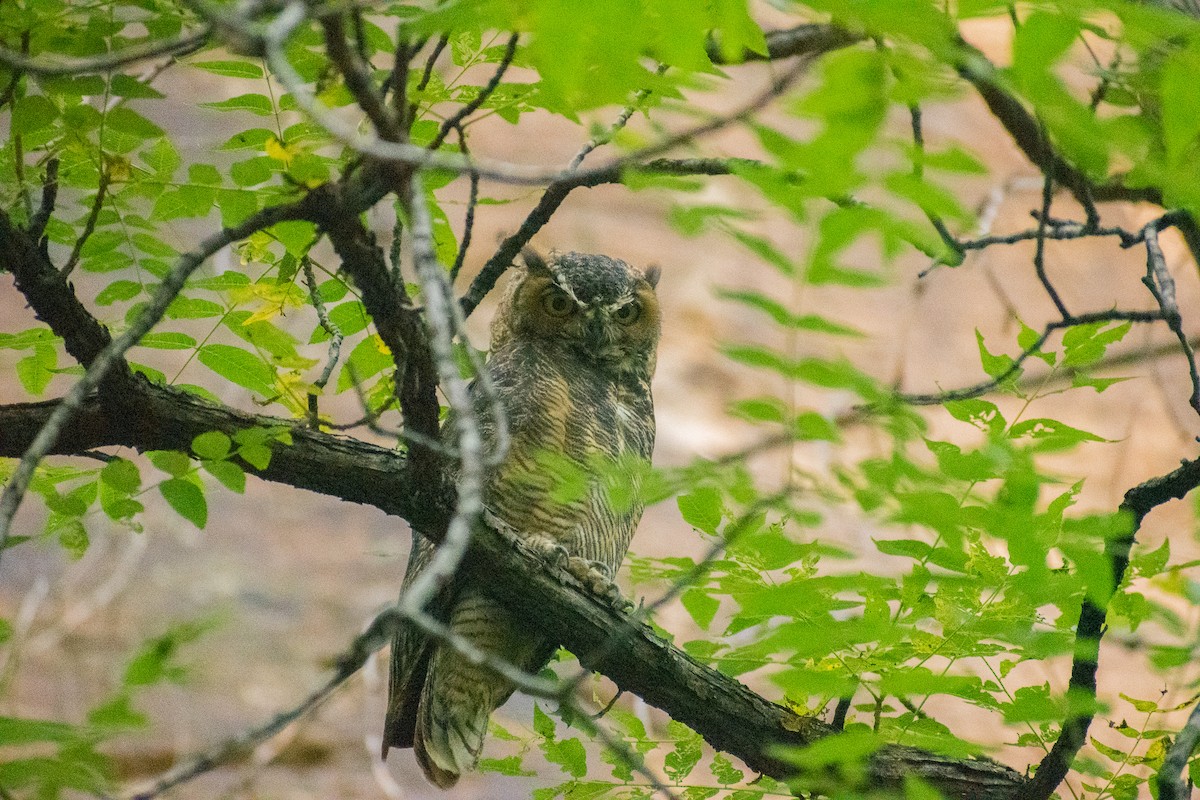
(396, 318)
(724, 711)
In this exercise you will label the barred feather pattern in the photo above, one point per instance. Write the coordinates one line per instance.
(580, 394)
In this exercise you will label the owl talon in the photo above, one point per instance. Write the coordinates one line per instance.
(596, 577)
(550, 550)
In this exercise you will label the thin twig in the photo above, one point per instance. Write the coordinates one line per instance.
(469, 218)
(639, 97)
(89, 226)
(1160, 283)
(276, 35)
(457, 119)
(335, 340)
(349, 662)
(444, 318)
(358, 79)
(431, 61)
(37, 225)
(172, 284)
(1039, 254)
(989, 385)
(180, 45)
(918, 171)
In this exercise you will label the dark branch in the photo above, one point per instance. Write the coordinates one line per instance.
(358, 79)
(484, 93)
(396, 319)
(557, 192)
(1170, 782)
(802, 40)
(990, 385)
(1139, 501)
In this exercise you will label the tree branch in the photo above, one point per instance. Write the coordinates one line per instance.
(180, 45)
(1170, 782)
(1138, 502)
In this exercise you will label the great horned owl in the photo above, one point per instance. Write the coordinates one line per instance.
(572, 353)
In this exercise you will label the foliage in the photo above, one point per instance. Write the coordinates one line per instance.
(983, 560)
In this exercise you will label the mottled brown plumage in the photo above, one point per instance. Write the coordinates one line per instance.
(573, 350)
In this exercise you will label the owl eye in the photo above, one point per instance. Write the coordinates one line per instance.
(557, 304)
(628, 313)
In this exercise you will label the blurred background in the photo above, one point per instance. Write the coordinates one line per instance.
(287, 578)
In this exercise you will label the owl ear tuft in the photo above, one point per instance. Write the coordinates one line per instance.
(652, 274)
(534, 261)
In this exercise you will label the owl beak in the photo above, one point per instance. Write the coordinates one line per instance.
(597, 328)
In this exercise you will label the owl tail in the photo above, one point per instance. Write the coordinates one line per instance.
(456, 702)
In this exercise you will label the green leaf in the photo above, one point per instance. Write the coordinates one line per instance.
(117, 714)
(1050, 434)
(125, 120)
(230, 69)
(996, 365)
(980, 413)
(251, 139)
(212, 445)
(229, 473)
(256, 455)
(702, 606)
(1086, 344)
(253, 103)
(368, 358)
(909, 548)
(241, 367)
(74, 538)
(724, 771)
(153, 663)
(171, 462)
(543, 725)
(37, 370)
(167, 340)
(188, 200)
(297, 236)
(205, 174)
(16, 731)
(349, 318)
(253, 171)
(32, 113)
(766, 251)
(688, 749)
(187, 499)
(505, 766)
(702, 508)
(569, 755)
(782, 316)
(163, 158)
(117, 291)
(236, 205)
(1147, 564)
(131, 87)
(122, 475)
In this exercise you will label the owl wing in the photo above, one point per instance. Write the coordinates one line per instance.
(411, 650)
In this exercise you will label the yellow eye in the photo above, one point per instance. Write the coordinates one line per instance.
(557, 304)
(628, 313)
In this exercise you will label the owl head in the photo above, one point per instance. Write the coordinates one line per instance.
(603, 310)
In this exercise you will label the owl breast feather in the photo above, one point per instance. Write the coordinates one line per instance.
(574, 427)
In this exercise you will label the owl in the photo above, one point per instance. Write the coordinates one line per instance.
(573, 349)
